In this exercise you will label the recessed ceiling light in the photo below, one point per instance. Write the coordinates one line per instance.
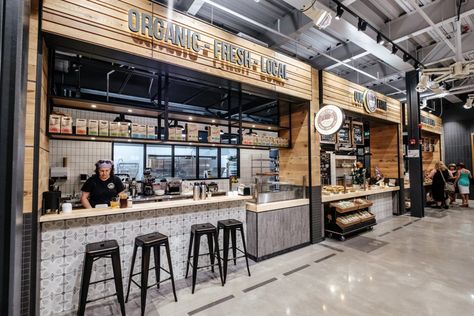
(92, 138)
(93, 106)
(269, 127)
(190, 118)
(130, 110)
(213, 121)
(129, 140)
(253, 125)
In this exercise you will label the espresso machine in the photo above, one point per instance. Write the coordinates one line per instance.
(148, 181)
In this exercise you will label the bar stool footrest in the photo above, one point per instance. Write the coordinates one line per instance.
(101, 298)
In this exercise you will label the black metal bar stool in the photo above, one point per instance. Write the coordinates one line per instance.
(95, 251)
(197, 231)
(147, 242)
(230, 226)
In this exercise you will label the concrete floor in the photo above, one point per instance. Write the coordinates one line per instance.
(405, 266)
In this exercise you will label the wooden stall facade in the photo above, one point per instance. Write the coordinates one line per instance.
(432, 138)
(386, 143)
(106, 23)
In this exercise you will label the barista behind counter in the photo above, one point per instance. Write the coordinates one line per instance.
(101, 187)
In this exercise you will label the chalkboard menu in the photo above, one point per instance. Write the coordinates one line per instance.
(357, 133)
(344, 135)
(327, 139)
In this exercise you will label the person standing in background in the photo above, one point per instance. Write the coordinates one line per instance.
(440, 176)
(463, 181)
(454, 172)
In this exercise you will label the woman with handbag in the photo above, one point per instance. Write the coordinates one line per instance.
(453, 169)
(440, 186)
(463, 181)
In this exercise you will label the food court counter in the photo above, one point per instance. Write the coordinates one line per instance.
(277, 227)
(64, 237)
(385, 200)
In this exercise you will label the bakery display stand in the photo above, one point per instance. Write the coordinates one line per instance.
(348, 217)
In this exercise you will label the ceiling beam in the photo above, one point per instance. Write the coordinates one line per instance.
(345, 29)
(444, 53)
(195, 6)
(440, 13)
(292, 25)
(435, 27)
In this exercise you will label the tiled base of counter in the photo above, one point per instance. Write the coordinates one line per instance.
(63, 243)
(385, 205)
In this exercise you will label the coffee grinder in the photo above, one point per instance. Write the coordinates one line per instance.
(148, 180)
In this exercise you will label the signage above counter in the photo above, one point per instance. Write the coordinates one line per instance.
(146, 29)
(328, 120)
(369, 101)
(352, 97)
(431, 123)
(169, 32)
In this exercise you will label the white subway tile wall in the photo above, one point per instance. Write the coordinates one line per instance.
(81, 157)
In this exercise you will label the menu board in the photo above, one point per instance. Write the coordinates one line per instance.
(344, 134)
(357, 133)
(327, 139)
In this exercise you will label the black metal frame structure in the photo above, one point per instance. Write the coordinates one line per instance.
(14, 30)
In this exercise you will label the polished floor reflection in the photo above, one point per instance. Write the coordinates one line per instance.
(405, 266)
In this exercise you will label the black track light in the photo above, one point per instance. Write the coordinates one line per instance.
(361, 25)
(406, 57)
(339, 12)
(380, 39)
(394, 49)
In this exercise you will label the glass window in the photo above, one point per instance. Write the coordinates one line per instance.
(128, 159)
(208, 164)
(185, 162)
(229, 162)
(159, 159)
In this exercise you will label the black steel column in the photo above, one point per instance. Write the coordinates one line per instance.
(14, 24)
(415, 167)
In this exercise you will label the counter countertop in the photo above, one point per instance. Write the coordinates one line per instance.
(81, 213)
(253, 207)
(351, 195)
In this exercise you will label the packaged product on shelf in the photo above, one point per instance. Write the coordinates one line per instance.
(93, 127)
(215, 134)
(192, 132)
(81, 126)
(142, 130)
(103, 128)
(138, 130)
(114, 129)
(135, 130)
(171, 133)
(151, 131)
(246, 140)
(66, 125)
(123, 129)
(54, 123)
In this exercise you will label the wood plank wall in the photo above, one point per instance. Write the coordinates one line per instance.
(339, 91)
(429, 158)
(294, 161)
(437, 129)
(105, 23)
(30, 120)
(384, 146)
(30, 113)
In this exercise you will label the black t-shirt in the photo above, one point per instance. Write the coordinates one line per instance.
(101, 192)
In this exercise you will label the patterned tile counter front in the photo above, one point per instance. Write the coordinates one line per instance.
(63, 244)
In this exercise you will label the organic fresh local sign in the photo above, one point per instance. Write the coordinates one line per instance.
(184, 37)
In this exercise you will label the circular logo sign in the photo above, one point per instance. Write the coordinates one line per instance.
(370, 101)
(328, 120)
(111, 186)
